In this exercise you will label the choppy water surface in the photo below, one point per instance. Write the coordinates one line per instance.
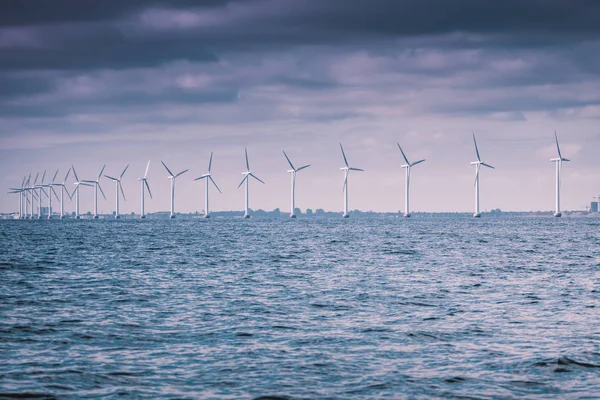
(307, 308)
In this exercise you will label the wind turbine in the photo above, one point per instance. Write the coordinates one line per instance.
(62, 193)
(246, 175)
(21, 192)
(172, 177)
(78, 183)
(117, 187)
(50, 187)
(206, 178)
(41, 189)
(293, 172)
(97, 186)
(477, 165)
(558, 161)
(144, 181)
(346, 170)
(28, 194)
(408, 166)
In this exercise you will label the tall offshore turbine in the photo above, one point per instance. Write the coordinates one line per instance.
(346, 170)
(246, 179)
(96, 184)
(559, 160)
(21, 192)
(118, 187)
(407, 166)
(208, 177)
(77, 184)
(51, 191)
(62, 194)
(172, 177)
(292, 173)
(145, 185)
(477, 165)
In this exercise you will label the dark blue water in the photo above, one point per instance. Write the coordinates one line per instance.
(307, 308)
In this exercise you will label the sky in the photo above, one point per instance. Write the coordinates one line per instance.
(112, 82)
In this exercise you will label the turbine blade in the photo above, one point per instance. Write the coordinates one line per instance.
(111, 178)
(74, 173)
(257, 178)
(123, 173)
(101, 171)
(148, 187)
(565, 159)
(70, 194)
(122, 192)
(345, 182)
(54, 177)
(301, 168)
(202, 177)
(344, 154)
(101, 191)
(23, 183)
(557, 146)
(66, 176)
(356, 169)
(416, 162)
(243, 180)
(167, 168)
(247, 163)
(43, 177)
(288, 160)
(36, 178)
(181, 173)
(147, 166)
(215, 183)
(403, 155)
(42, 189)
(210, 162)
(476, 149)
(488, 165)
(54, 191)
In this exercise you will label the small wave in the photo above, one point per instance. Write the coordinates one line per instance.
(26, 395)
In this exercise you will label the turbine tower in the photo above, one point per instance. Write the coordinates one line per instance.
(246, 175)
(172, 177)
(478, 165)
(408, 166)
(346, 170)
(50, 187)
(77, 183)
(62, 194)
(144, 182)
(117, 187)
(206, 178)
(40, 187)
(97, 186)
(558, 161)
(293, 172)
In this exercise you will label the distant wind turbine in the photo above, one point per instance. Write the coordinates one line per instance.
(206, 178)
(97, 186)
(62, 193)
(477, 165)
(246, 175)
(293, 172)
(40, 187)
(408, 166)
(346, 170)
(21, 192)
(117, 187)
(172, 177)
(558, 161)
(77, 183)
(51, 191)
(144, 182)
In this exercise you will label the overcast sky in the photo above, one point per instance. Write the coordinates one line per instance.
(122, 82)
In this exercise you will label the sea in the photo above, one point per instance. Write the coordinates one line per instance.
(314, 308)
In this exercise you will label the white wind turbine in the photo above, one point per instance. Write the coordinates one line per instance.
(346, 170)
(77, 183)
(172, 177)
(558, 161)
(51, 191)
(117, 187)
(97, 186)
(408, 166)
(40, 187)
(293, 172)
(62, 193)
(206, 178)
(477, 165)
(29, 193)
(21, 192)
(246, 175)
(144, 182)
